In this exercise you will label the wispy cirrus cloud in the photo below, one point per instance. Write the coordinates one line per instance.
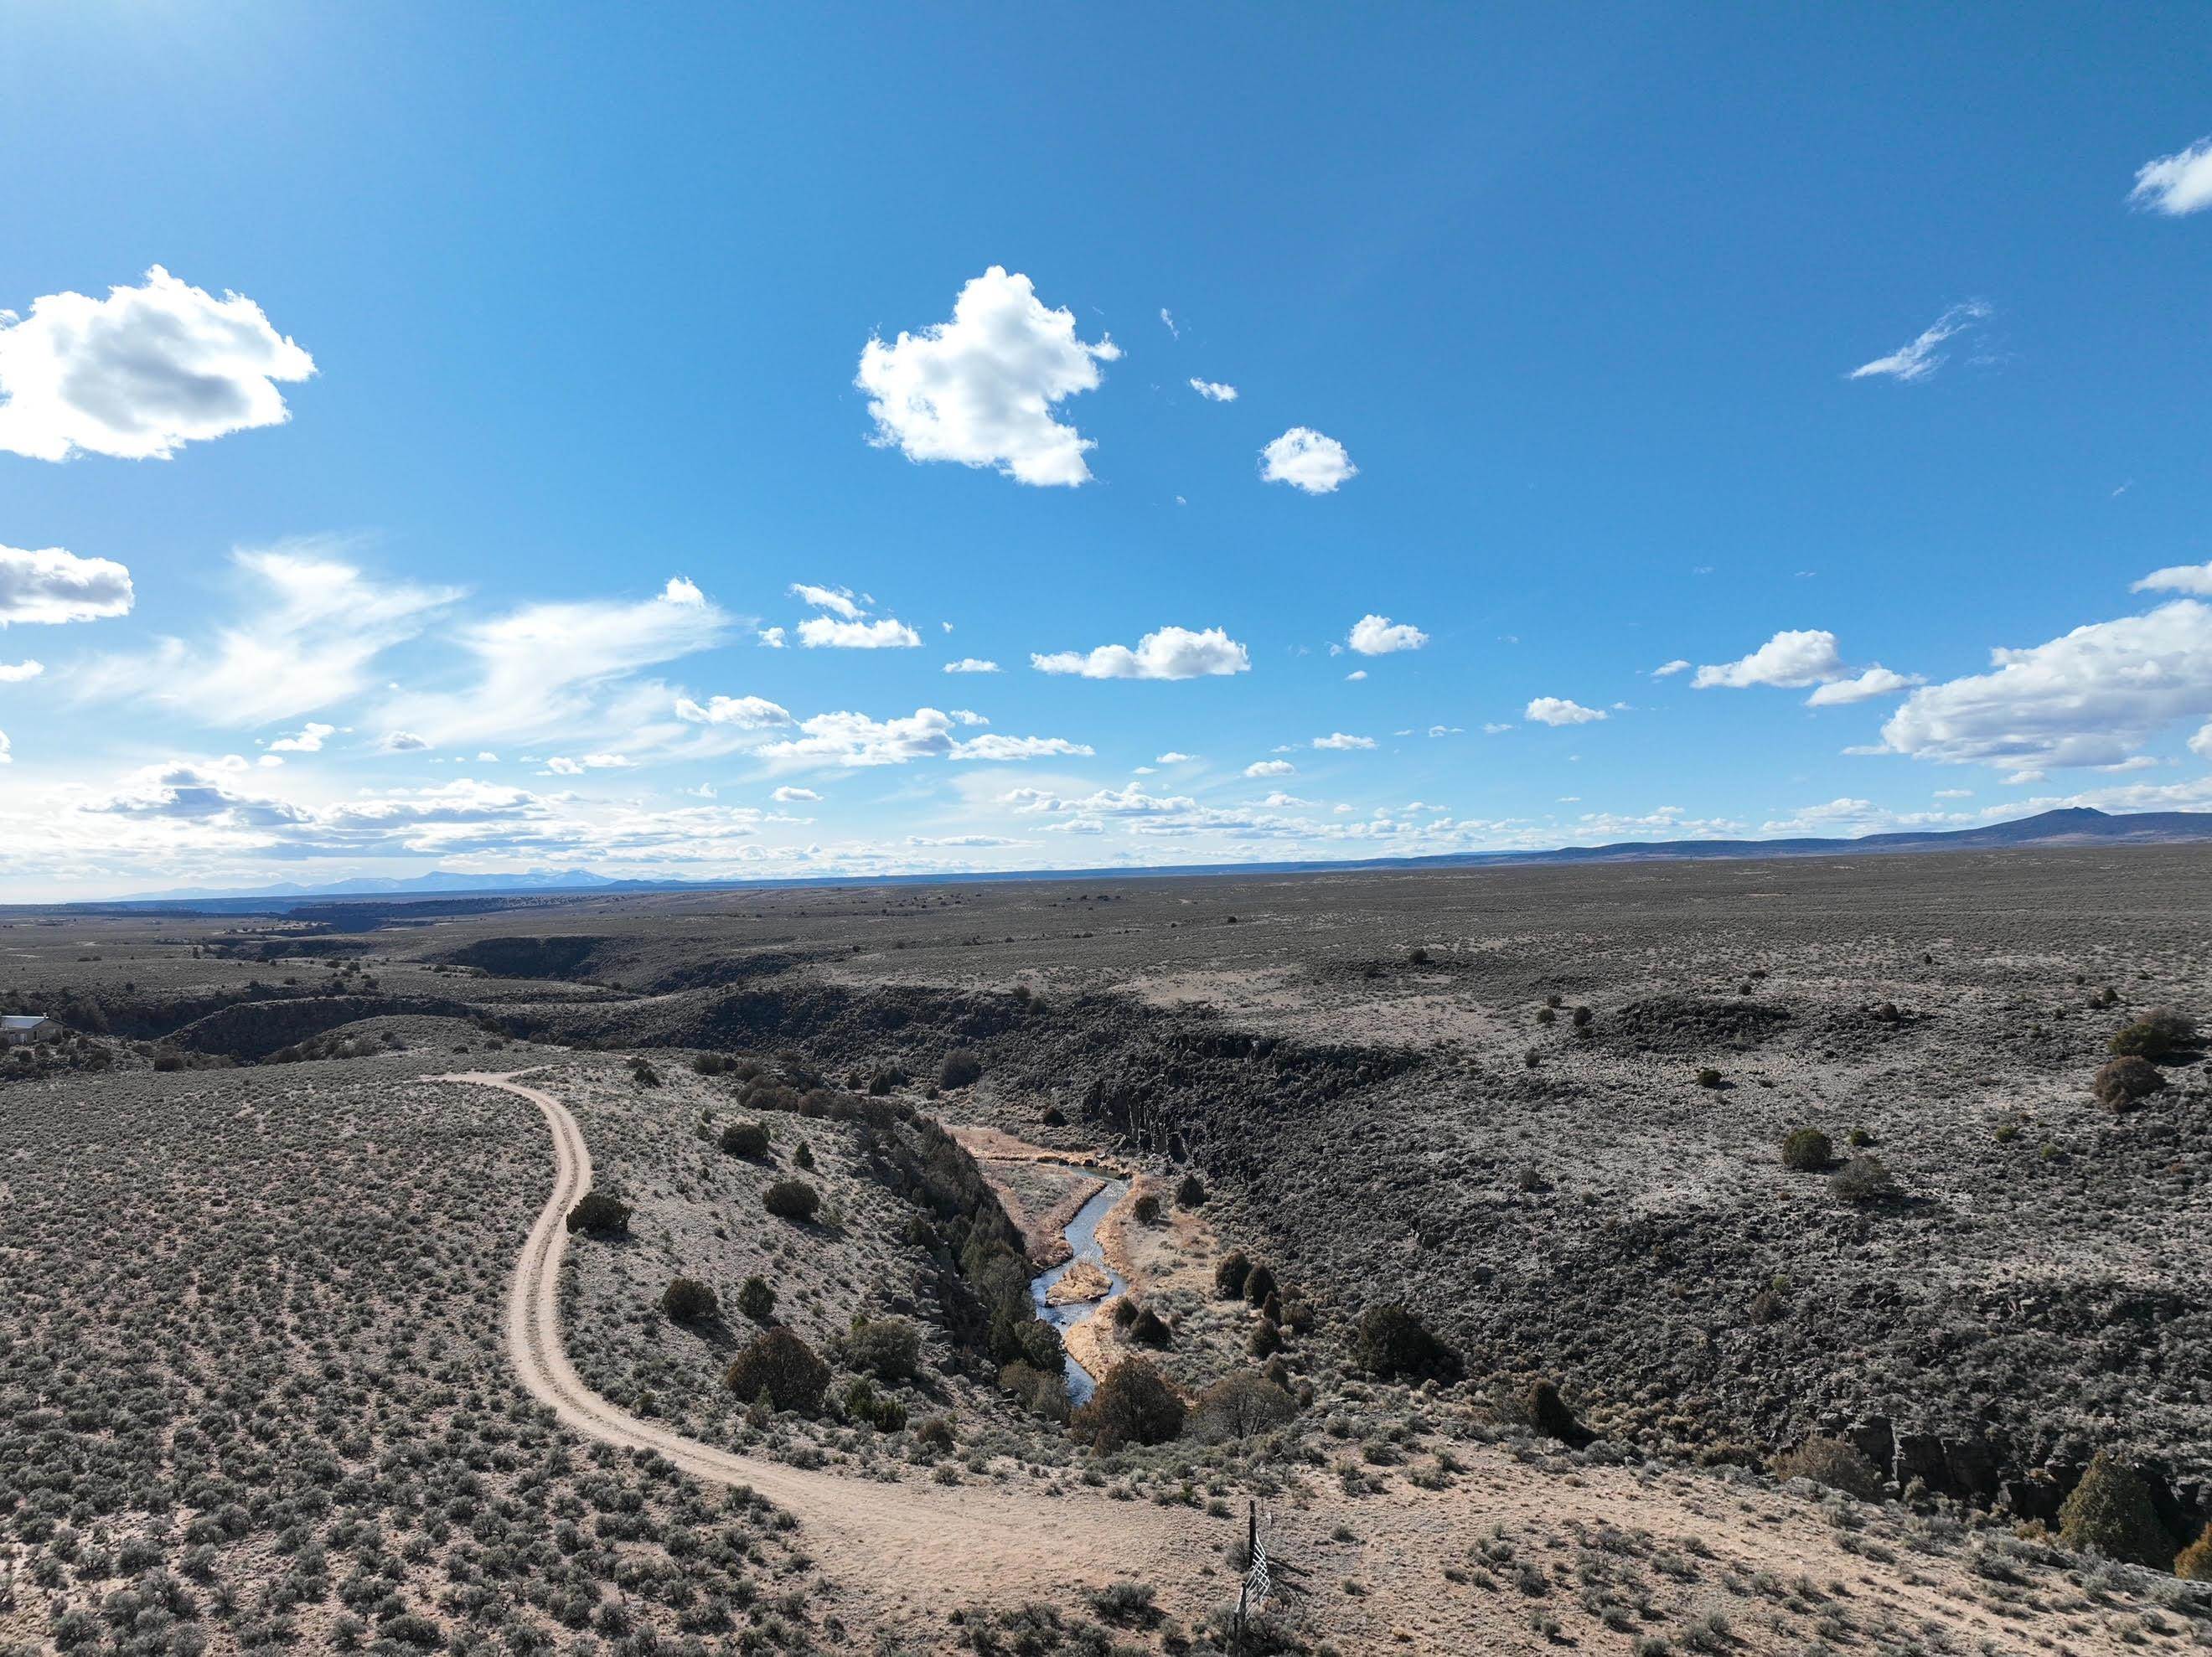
(310, 626)
(1920, 357)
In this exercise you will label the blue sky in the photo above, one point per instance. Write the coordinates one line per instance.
(1558, 311)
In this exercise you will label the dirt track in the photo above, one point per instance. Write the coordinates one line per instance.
(900, 1546)
(904, 1555)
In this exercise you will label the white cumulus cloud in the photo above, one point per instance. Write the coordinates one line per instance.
(1559, 710)
(744, 712)
(1307, 460)
(971, 664)
(1876, 681)
(1213, 390)
(2177, 184)
(1340, 741)
(1271, 769)
(141, 373)
(2090, 697)
(827, 632)
(308, 739)
(2194, 579)
(1172, 653)
(19, 672)
(855, 739)
(1377, 635)
(789, 796)
(1791, 660)
(50, 586)
(980, 388)
(1667, 670)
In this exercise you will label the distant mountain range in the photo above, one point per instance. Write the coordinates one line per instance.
(2073, 826)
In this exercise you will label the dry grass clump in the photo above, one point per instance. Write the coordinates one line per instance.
(2121, 1083)
(1808, 1151)
(2160, 1033)
(1834, 1463)
(1865, 1182)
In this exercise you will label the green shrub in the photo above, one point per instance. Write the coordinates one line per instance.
(1229, 1275)
(1148, 1328)
(2161, 1033)
(1390, 1342)
(1042, 1393)
(1807, 1150)
(863, 1402)
(687, 1300)
(2122, 1082)
(791, 1199)
(1863, 1182)
(1132, 1405)
(803, 1156)
(1146, 1209)
(1191, 1193)
(2111, 1511)
(1709, 1077)
(1834, 1463)
(887, 1348)
(756, 1300)
(961, 1069)
(937, 1433)
(1258, 1283)
(642, 1072)
(600, 1213)
(748, 1139)
(779, 1364)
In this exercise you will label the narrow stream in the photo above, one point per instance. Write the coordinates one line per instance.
(1082, 1234)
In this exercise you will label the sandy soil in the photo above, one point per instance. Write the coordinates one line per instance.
(1081, 1281)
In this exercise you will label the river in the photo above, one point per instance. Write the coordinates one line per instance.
(1082, 1234)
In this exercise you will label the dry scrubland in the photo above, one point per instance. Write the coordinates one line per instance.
(250, 1329)
(252, 1392)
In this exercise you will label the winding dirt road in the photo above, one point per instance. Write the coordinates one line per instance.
(903, 1555)
(900, 1545)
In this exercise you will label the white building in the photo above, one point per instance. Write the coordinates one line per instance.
(20, 1028)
